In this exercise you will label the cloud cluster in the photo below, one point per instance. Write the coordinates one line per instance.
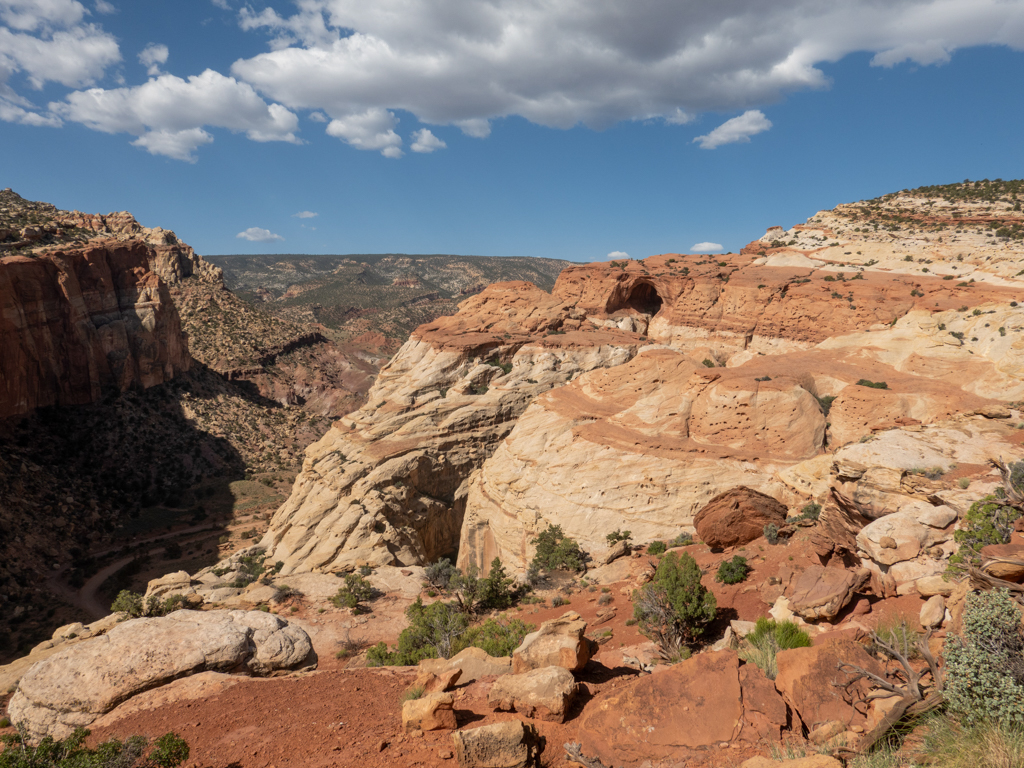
(618, 255)
(355, 65)
(466, 62)
(168, 113)
(258, 235)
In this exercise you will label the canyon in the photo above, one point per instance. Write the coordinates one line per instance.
(867, 364)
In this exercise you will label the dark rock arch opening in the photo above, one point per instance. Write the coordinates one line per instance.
(643, 297)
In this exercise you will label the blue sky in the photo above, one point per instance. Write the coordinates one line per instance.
(506, 127)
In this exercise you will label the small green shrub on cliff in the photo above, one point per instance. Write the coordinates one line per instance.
(674, 608)
(557, 551)
(170, 750)
(767, 639)
(811, 511)
(985, 666)
(656, 548)
(732, 571)
(872, 384)
(132, 605)
(356, 591)
(988, 521)
(616, 536)
(771, 533)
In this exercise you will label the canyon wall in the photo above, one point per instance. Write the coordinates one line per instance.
(86, 307)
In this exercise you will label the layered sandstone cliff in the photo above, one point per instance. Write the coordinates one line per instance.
(86, 305)
(639, 390)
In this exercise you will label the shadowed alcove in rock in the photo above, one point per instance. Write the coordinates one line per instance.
(644, 298)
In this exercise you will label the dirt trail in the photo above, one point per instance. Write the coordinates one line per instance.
(85, 598)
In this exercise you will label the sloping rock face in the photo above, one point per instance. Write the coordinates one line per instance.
(75, 686)
(79, 323)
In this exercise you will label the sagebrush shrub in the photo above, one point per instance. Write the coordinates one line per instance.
(169, 750)
(985, 665)
(356, 591)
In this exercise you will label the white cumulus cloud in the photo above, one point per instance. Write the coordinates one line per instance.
(168, 113)
(424, 141)
(618, 255)
(102, 6)
(739, 129)
(179, 145)
(706, 247)
(222, 4)
(304, 215)
(152, 56)
(373, 129)
(258, 235)
(466, 63)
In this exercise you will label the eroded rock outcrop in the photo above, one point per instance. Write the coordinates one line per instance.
(77, 685)
(636, 392)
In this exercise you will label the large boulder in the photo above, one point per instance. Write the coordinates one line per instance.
(811, 683)
(820, 593)
(432, 712)
(737, 517)
(472, 663)
(510, 744)
(558, 643)
(695, 703)
(545, 693)
(77, 685)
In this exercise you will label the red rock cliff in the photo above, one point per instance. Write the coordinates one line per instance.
(76, 323)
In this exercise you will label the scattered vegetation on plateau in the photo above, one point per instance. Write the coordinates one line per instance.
(131, 605)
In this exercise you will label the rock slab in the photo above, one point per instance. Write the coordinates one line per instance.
(558, 643)
(77, 685)
(811, 683)
(503, 745)
(695, 703)
(545, 693)
(432, 712)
